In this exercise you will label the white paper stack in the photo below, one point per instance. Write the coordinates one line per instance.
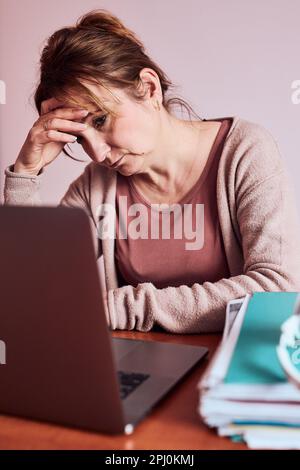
(244, 392)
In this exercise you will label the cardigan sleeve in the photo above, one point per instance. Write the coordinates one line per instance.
(269, 232)
(24, 190)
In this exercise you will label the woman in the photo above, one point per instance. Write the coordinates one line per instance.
(229, 167)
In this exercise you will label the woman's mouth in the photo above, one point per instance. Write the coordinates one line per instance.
(114, 165)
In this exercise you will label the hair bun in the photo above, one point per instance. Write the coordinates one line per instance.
(104, 21)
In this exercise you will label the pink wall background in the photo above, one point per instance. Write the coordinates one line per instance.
(227, 58)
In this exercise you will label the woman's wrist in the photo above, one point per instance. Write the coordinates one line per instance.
(18, 167)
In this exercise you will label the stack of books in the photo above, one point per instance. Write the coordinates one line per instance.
(245, 392)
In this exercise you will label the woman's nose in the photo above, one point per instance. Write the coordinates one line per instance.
(101, 149)
(96, 146)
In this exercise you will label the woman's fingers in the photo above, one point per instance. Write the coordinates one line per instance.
(54, 136)
(65, 125)
(57, 123)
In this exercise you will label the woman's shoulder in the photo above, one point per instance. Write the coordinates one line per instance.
(242, 132)
(250, 156)
(249, 132)
(249, 144)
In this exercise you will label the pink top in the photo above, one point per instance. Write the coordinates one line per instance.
(166, 261)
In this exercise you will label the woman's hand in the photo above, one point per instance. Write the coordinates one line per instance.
(49, 134)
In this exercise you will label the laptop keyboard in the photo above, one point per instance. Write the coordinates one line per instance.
(129, 381)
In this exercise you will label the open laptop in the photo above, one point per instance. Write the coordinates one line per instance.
(61, 363)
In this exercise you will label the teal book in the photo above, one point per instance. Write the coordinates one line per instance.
(254, 359)
(246, 385)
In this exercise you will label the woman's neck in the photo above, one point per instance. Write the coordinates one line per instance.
(167, 171)
(169, 177)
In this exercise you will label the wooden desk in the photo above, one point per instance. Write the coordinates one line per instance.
(173, 424)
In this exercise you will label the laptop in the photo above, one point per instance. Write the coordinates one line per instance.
(62, 364)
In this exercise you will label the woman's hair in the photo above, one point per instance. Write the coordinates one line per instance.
(100, 50)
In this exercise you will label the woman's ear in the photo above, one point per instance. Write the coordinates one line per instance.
(149, 81)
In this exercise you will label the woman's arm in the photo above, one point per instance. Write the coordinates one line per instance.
(24, 190)
(268, 225)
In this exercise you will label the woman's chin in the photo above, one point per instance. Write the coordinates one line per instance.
(127, 169)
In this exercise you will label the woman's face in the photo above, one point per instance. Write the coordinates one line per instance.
(134, 133)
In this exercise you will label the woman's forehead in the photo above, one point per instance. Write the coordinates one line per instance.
(105, 94)
(93, 106)
(104, 100)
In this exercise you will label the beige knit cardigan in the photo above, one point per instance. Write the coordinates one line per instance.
(259, 225)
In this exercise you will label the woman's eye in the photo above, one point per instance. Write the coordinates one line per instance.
(99, 121)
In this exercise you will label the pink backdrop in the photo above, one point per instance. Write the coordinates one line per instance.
(227, 58)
